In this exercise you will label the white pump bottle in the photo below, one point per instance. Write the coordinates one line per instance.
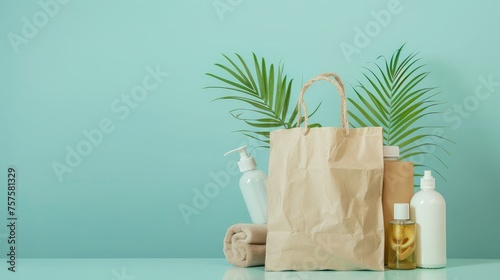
(253, 184)
(428, 211)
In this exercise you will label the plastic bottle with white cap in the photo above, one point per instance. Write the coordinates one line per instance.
(401, 245)
(253, 184)
(428, 210)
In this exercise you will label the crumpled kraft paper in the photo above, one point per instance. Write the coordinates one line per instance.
(324, 200)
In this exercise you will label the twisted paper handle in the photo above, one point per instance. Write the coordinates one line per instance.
(337, 82)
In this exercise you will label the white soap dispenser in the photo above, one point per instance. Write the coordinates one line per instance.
(253, 184)
(428, 210)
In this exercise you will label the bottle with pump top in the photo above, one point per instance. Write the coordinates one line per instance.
(253, 184)
(428, 210)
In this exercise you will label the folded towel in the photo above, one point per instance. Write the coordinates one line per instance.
(245, 244)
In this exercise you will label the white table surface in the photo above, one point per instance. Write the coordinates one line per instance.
(142, 269)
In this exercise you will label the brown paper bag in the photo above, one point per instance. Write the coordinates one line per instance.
(324, 195)
(397, 188)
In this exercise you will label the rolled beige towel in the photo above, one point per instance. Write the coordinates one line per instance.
(245, 244)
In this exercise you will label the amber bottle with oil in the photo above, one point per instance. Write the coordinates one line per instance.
(402, 239)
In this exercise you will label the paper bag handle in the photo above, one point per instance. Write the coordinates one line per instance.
(301, 104)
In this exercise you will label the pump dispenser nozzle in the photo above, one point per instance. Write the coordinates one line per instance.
(246, 163)
(427, 182)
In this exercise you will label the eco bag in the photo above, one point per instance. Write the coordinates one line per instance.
(324, 195)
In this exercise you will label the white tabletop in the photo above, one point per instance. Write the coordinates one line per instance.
(207, 269)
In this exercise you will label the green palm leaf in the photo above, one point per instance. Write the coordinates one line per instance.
(392, 96)
(265, 93)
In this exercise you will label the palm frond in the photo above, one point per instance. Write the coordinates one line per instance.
(392, 96)
(265, 93)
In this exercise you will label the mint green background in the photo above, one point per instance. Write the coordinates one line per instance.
(123, 199)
